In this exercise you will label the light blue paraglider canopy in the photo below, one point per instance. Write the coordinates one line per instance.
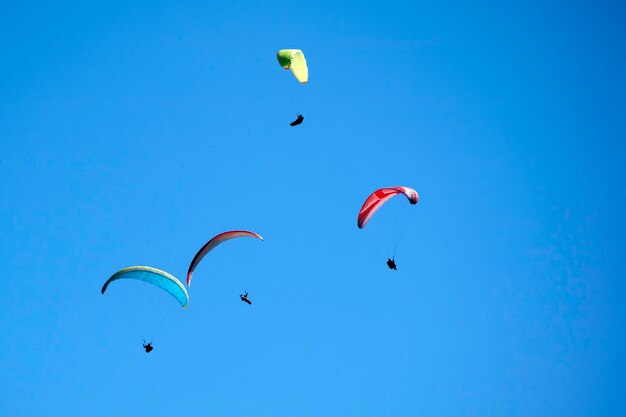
(155, 277)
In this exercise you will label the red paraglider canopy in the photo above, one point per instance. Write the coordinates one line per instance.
(222, 237)
(379, 197)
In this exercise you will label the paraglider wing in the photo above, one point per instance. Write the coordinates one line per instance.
(379, 197)
(222, 237)
(294, 60)
(155, 277)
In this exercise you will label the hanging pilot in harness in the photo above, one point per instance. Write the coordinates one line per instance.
(298, 120)
(391, 263)
(244, 298)
(147, 346)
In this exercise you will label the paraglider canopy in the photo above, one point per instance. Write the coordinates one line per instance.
(380, 197)
(211, 244)
(294, 60)
(153, 276)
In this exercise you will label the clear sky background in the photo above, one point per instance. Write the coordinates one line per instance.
(130, 134)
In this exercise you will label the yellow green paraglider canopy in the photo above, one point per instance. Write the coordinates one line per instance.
(294, 60)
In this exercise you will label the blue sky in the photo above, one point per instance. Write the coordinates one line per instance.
(132, 133)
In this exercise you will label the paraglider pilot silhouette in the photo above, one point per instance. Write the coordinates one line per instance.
(298, 120)
(391, 263)
(147, 346)
(244, 298)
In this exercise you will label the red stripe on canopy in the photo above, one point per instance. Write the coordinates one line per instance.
(379, 197)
